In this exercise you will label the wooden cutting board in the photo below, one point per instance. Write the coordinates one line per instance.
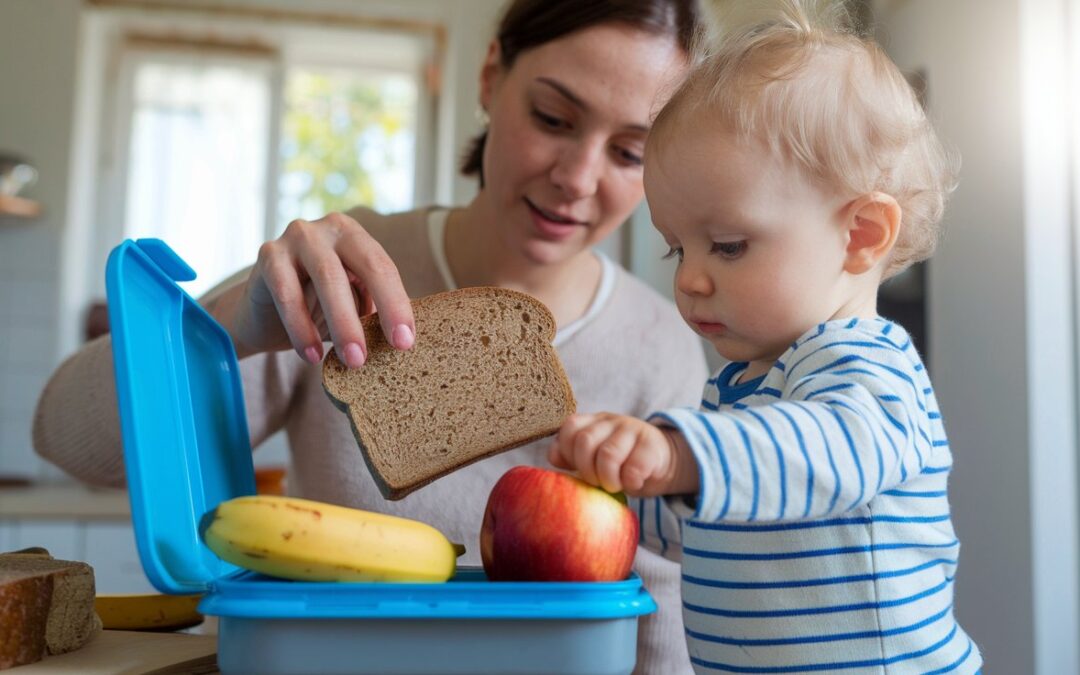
(121, 652)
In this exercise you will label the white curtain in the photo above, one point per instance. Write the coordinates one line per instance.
(198, 162)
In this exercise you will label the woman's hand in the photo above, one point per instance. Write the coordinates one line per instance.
(313, 284)
(620, 453)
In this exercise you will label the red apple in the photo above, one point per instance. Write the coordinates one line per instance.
(543, 525)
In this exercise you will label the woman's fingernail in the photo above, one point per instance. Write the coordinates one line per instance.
(313, 354)
(403, 336)
(354, 356)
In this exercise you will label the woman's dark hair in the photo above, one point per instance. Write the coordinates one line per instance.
(531, 23)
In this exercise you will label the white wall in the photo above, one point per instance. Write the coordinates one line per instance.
(1000, 320)
(48, 114)
(38, 48)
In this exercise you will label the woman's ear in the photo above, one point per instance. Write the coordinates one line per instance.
(873, 223)
(489, 73)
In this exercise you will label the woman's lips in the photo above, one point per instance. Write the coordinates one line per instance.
(552, 225)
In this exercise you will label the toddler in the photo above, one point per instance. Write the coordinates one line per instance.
(792, 173)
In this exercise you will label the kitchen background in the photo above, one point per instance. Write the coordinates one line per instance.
(95, 93)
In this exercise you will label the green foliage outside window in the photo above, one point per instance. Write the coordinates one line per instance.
(347, 140)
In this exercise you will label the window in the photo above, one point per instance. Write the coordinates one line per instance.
(197, 159)
(217, 145)
(348, 138)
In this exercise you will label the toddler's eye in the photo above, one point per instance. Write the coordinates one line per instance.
(729, 249)
(673, 252)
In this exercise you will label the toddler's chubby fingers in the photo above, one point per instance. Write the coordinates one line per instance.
(555, 457)
(586, 443)
(646, 471)
(611, 454)
(638, 472)
(571, 425)
(561, 454)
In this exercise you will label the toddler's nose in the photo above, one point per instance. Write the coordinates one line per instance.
(692, 280)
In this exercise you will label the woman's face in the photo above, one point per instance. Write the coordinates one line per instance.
(569, 119)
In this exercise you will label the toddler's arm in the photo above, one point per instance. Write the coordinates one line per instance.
(620, 453)
(852, 419)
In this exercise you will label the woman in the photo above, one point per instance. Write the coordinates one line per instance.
(570, 88)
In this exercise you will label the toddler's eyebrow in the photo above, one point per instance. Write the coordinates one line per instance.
(579, 102)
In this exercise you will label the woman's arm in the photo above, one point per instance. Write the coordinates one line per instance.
(76, 424)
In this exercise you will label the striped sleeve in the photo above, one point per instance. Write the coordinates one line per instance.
(850, 422)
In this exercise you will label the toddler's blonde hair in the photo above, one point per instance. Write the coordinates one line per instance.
(798, 76)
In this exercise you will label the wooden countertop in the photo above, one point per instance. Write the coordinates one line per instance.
(64, 502)
(121, 652)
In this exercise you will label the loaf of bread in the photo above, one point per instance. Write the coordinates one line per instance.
(46, 607)
(482, 378)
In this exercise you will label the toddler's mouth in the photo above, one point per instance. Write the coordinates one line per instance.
(709, 327)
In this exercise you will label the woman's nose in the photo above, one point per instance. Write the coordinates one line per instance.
(577, 169)
(692, 280)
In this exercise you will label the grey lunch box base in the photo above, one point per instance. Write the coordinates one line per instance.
(418, 647)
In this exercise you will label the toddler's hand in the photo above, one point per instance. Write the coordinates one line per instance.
(620, 453)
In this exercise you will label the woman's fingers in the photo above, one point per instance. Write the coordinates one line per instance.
(315, 282)
(366, 259)
(336, 299)
(276, 286)
(350, 274)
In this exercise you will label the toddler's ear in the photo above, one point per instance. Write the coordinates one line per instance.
(873, 222)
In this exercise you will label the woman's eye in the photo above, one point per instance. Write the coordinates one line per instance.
(549, 121)
(673, 252)
(627, 157)
(729, 249)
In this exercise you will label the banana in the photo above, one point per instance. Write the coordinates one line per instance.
(148, 611)
(306, 540)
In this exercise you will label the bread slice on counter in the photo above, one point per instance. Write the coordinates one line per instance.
(482, 378)
(46, 607)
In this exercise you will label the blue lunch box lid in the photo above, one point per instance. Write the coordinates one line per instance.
(182, 418)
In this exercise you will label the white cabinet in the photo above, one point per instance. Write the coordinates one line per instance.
(109, 547)
(76, 523)
(111, 550)
(63, 539)
(6, 529)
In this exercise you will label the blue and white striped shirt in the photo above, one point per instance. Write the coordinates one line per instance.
(821, 539)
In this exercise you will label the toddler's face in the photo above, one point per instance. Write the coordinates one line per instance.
(761, 248)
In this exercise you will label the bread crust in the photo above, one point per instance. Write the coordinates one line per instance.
(46, 607)
(422, 414)
(24, 611)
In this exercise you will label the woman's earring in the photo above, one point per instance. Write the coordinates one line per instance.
(482, 115)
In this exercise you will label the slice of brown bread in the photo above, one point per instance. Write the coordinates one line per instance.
(482, 378)
(46, 606)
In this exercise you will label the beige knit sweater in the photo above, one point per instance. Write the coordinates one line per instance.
(635, 355)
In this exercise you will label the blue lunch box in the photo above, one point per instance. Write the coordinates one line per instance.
(186, 449)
